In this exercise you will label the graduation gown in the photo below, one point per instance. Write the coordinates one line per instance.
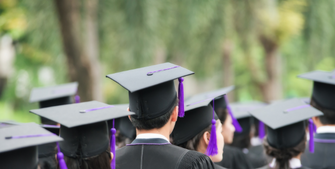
(268, 167)
(257, 157)
(324, 152)
(234, 158)
(218, 167)
(157, 153)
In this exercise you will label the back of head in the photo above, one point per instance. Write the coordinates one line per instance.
(86, 146)
(328, 117)
(283, 155)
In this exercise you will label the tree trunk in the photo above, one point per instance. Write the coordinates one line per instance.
(82, 65)
(228, 68)
(271, 89)
(92, 47)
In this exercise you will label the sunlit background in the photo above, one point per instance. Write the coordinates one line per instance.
(258, 45)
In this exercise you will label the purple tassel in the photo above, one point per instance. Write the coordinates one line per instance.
(261, 130)
(77, 98)
(181, 112)
(311, 136)
(112, 144)
(212, 148)
(237, 126)
(60, 158)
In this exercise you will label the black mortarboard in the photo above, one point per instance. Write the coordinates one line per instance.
(323, 89)
(199, 115)
(285, 121)
(53, 96)
(46, 150)
(83, 126)
(123, 124)
(151, 89)
(220, 103)
(19, 145)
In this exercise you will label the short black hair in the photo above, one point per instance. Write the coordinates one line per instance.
(328, 116)
(157, 122)
(222, 114)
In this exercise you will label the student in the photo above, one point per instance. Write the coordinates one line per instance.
(85, 132)
(200, 130)
(19, 145)
(152, 96)
(125, 131)
(323, 99)
(247, 140)
(53, 96)
(232, 157)
(48, 97)
(286, 135)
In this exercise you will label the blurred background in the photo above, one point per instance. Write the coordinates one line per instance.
(258, 45)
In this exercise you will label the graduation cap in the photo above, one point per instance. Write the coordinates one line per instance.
(285, 122)
(220, 101)
(84, 127)
(19, 145)
(244, 118)
(200, 115)
(123, 124)
(54, 96)
(151, 89)
(323, 88)
(46, 150)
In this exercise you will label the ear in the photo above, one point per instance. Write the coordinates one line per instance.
(206, 137)
(174, 115)
(129, 117)
(112, 156)
(315, 119)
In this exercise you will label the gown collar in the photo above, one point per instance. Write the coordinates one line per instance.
(150, 139)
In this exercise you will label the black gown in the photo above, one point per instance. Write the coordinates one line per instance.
(218, 167)
(267, 167)
(257, 157)
(158, 153)
(324, 152)
(234, 158)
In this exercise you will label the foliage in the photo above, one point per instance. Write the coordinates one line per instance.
(189, 33)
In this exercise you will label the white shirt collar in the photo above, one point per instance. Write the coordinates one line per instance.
(150, 136)
(294, 163)
(256, 141)
(326, 129)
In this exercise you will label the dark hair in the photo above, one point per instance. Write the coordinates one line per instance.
(101, 161)
(284, 155)
(194, 142)
(222, 114)
(328, 116)
(121, 140)
(157, 122)
(241, 141)
(48, 162)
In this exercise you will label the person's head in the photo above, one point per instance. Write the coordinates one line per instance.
(228, 128)
(200, 141)
(323, 95)
(101, 161)
(328, 117)
(283, 155)
(242, 139)
(152, 95)
(48, 162)
(168, 119)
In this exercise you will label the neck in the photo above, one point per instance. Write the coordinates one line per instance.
(298, 156)
(161, 131)
(322, 125)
